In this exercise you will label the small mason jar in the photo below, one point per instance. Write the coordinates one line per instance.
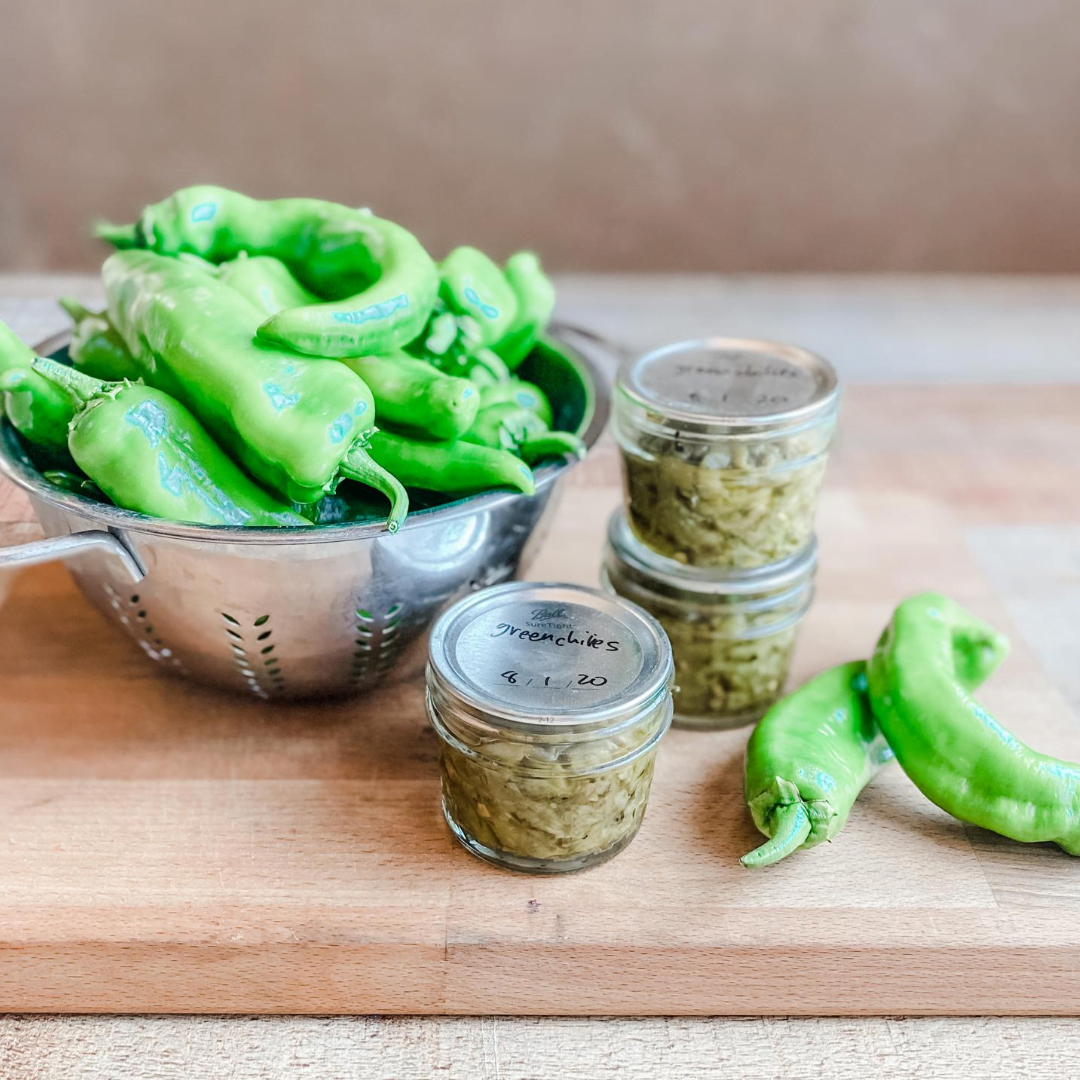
(724, 443)
(732, 633)
(549, 701)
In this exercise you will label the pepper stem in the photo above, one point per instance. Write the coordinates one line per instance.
(120, 236)
(74, 309)
(78, 384)
(360, 466)
(792, 828)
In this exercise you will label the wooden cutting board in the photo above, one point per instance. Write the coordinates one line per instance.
(165, 848)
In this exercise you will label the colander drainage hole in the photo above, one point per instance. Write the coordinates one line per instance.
(258, 666)
(137, 624)
(375, 649)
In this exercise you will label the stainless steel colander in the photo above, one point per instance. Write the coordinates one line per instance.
(283, 613)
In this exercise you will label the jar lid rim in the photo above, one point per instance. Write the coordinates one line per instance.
(461, 663)
(651, 566)
(659, 381)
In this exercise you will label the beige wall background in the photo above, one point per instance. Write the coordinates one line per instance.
(608, 134)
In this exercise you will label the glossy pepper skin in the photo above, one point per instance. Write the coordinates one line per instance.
(384, 280)
(265, 282)
(535, 297)
(471, 284)
(520, 393)
(39, 410)
(957, 754)
(297, 425)
(146, 452)
(453, 468)
(96, 348)
(815, 750)
(412, 394)
(507, 426)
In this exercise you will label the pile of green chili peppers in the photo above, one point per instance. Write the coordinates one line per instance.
(256, 354)
(814, 751)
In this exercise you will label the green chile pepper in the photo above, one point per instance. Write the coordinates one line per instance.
(76, 483)
(521, 393)
(265, 282)
(507, 426)
(297, 425)
(535, 297)
(816, 749)
(148, 453)
(37, 409)
(471, 284)
(482, 368)
(96, 347)
(955, 752)
(385, 280)
(411, 393)
(454, 468)
(447, 339)
(808, 759)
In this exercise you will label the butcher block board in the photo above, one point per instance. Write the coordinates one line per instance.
(167, 848)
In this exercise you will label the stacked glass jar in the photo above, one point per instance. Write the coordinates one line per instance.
(724, 444)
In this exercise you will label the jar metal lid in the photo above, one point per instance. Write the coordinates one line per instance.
(659, 573)
(730, 386)
(534, 656)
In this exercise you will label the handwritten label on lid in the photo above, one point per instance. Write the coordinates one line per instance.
(725, 382)
(557, 658)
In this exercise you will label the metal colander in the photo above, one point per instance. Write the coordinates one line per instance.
(284, 613)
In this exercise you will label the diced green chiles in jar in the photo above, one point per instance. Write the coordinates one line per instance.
(724, 444)
(549, 701)
(553, 802)
(732, 633)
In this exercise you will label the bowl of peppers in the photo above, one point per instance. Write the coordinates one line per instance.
(293, 436)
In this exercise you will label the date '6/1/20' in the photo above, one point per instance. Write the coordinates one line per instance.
(516, 677)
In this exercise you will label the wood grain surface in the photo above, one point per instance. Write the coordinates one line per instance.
(536, 1048)
(173, 849)
(879, 330)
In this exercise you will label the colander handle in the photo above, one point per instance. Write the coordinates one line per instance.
(70, 547)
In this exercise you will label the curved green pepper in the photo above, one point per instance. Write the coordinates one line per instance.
(37, 409)
(535, 296)
(148, 453)
(507, 426)
(518, 392)
(454, 468)
(815, 750)
(411, 393)
(297, 425)
(957, 754)
(96, 347)
(265, 282)
(471, 284)
(332, 250)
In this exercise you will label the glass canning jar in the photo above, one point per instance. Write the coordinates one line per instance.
(732, 633)
(549, 701)
(724, 443)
